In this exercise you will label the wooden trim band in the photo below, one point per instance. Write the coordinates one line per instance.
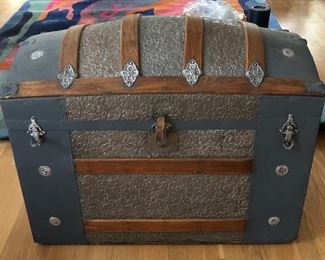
(70, 47)
(207, 84)
(130, 40)
(161, 85)
(163, 165)
(193, 40)
(254, 45)
(165, 225)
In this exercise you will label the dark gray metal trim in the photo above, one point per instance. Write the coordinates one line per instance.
(281, 196)
(55, 195)
(301, 66)
(41, 108)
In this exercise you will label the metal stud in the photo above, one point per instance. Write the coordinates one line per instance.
(255, 74)
(273, 221)
(54, 221)
(288, 52)
(129, 73)
(67, 76)
(45, 171)
(37, 54)
(192, 72)
(281, 170)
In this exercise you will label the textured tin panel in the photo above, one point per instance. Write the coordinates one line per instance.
(161, 48)
(163, 195)
(192, 143)
(224, 49)
(175, 238)
(146, 107)
(99, 54)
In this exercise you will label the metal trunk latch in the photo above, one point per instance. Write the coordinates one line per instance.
(161, 127)
(288, 131)
(36, 132)
(162, 140)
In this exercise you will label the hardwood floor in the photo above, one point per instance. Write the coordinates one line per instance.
(302, 16)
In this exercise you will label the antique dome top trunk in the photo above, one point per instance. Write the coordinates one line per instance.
(163, 130)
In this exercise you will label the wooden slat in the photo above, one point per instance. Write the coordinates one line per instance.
(146, 85)
(193, 40)
(254, 45)
(165, 225)
(163, 165)
(130, 40)
(70, 47)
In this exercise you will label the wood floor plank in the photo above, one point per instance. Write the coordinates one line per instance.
(10, 194)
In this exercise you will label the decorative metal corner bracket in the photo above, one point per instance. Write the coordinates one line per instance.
(288, 131)
(192, 72)
(36, 132)
(67, 76)
(129, 73)
(255, 74)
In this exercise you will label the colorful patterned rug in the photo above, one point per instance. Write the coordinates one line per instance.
(38, 16)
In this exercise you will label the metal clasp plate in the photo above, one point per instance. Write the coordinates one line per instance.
(288, 131)
(162, 140)
(36, 132)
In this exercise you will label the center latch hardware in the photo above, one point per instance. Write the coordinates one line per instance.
(162, 140)
(161, 127)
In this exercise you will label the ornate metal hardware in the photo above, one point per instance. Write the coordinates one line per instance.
(288, 131)
(288, 52)
(67, 76)
(281, 170)
(162, 140)
(255, 74)
(129, 73)
(161, 127)
(37, 54)
(45, 171)
(55, 221)
(36, 132)
(192, 72)
(273, 221)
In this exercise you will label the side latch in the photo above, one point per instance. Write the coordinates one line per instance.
(36, 132)
(288, 131)
(162, 140)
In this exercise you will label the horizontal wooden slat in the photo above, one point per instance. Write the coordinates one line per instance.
(165, 225)
(146, 85)
(186, 166)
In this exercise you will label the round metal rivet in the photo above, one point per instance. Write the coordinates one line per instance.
(45, 171)
(288, 53)
(37, 54)
(54, 221)
(273, 221)
(281, 170)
